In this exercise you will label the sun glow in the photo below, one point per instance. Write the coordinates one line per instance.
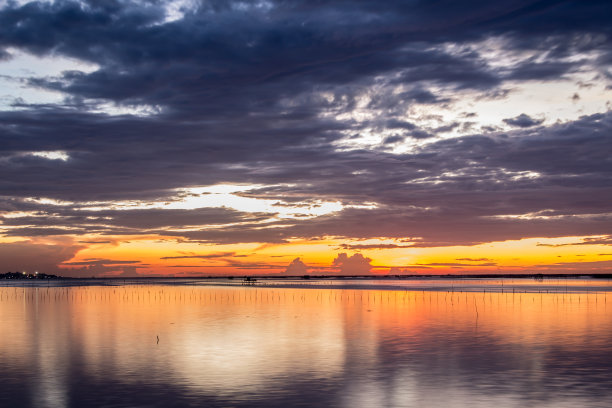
(154, 256)
(236, 197)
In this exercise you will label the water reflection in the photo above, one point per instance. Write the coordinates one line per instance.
(266, 346)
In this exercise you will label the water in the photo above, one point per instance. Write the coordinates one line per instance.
(317, 343)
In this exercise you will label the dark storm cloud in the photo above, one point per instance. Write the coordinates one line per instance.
(156, 154)
(445, 228)
(158, 218)
(399, 124)
(393, 139)
(421, 134)
(67, 221)
(523, 121)
(213, 53)
(210, 54)
(255, 96)
(540, 71)
(32, 256)
(451, 191)
(42, 232)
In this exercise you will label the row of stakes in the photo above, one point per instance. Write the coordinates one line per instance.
(202, 295)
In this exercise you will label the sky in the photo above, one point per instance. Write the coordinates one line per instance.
(184, 138)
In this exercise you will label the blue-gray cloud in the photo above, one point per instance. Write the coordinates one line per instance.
(523, 121)
(264, 96)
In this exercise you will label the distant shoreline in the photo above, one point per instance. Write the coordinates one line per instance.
(21, 276)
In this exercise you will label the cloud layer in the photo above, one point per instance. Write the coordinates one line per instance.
(361, 119)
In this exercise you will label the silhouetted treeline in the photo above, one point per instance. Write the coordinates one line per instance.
(23, 275)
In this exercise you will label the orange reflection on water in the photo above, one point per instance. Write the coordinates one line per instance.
(238, 342)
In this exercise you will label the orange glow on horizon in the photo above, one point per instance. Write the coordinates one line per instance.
(156, 255)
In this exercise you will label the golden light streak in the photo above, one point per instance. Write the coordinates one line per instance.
(157, 255)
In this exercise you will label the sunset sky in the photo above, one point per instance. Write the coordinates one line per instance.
(152, 137)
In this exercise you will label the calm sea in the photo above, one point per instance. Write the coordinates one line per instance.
(347, 343)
